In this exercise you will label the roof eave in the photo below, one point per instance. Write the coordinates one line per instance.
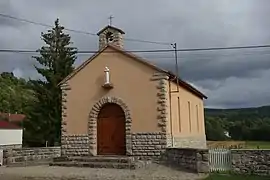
(112, 27)
(81, 66)
(188, 86)
(170, 74)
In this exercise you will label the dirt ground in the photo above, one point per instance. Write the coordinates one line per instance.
(154, 172)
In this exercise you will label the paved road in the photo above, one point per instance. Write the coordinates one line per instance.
(154, 172)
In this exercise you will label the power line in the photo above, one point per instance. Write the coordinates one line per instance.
(207, 57)
(226, 48)
(77, 31)
(199, 56)
(145, 41)
(42, 24)
(152, 51)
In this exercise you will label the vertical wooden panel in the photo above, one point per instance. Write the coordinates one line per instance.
(197, 117)
(179, 114)
(111, 130)
(189, 116)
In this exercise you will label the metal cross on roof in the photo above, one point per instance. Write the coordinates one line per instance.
(110, 19)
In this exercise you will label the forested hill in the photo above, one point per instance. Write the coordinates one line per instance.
(15, 93)
(241, 124)
(242, 113)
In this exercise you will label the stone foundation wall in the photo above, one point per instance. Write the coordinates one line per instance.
(190, 142)
(148, 145)
(196, 160)
(75, 145)
(169, 140)
(11, 146)
(251, 162)
(27, 156)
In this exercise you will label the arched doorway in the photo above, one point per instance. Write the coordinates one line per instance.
(111, 130)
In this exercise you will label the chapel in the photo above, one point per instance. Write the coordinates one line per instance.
(117, 103)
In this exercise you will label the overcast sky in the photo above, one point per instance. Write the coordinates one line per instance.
(231, 78)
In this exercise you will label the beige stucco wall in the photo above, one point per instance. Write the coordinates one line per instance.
(131, 80)
(187, 114)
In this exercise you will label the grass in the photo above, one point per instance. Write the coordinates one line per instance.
(235, 177)
(239, 144)
(226, 144)
(256, 144)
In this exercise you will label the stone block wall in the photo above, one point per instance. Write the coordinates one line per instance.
(25, 156)
(117, 41)
(148, 145)
(251, 161)
(75, 145)
(190, 142)
(11, 146)
(196, 160)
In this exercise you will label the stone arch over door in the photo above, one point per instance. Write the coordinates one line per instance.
(92, 123)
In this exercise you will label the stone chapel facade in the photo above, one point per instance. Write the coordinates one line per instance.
(117, 103)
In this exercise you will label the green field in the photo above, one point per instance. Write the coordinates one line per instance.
(239, 144)
(258, 144)
(235, 177)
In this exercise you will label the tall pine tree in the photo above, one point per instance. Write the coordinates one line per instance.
(56, 60)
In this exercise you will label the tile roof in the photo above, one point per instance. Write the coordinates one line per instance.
(112, 27)
(12, 117)
(8, 125)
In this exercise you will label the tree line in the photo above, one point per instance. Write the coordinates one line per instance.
(40, 100)
(238, 124)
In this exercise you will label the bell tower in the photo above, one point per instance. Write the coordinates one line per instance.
(111, 35)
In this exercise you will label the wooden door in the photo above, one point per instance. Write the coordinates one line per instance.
(111, 130)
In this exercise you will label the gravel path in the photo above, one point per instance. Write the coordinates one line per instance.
(154, 172)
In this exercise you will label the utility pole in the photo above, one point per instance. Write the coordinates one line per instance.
(174, 45)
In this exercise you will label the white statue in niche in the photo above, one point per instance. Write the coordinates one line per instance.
(107, 75)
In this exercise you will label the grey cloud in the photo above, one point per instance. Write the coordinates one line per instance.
(192, 24)
(239, 92)
(209, 84)
(6, 7)
(219, 66)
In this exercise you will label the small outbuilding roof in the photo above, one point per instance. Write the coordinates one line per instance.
(8, 125)
(12, 117)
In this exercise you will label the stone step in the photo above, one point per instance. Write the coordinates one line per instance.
(101, 159)
(95, 164)
(28, 163)
(118, 162)
(60, 159)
